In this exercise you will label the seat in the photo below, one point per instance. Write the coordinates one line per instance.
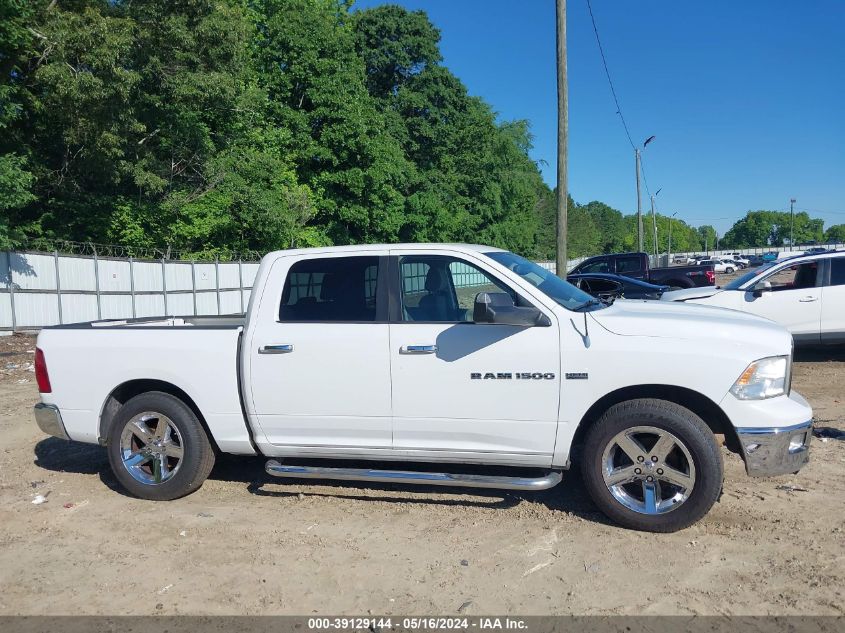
(806, 276)
(438, 304)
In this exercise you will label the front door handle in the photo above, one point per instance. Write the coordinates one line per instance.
(276, 349)
(808, 299)
(418, 349)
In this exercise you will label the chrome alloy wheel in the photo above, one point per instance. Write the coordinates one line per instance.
(151, 448)
(648, 470)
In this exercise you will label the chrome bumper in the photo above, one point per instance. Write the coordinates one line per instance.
(49, 420)
(775, 450)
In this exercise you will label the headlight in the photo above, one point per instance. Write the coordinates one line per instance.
(764, 378)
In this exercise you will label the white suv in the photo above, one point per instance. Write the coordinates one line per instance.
(804, 293)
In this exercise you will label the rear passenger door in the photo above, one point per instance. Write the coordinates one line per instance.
(320, 371)
(485, 392)
(833, 302)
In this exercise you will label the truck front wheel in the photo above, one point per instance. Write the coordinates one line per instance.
(157, 447)
(652, 465)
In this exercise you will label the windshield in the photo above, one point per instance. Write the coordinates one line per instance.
(751, 274)
(550, 284)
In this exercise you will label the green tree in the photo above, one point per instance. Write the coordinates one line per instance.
(835, 233)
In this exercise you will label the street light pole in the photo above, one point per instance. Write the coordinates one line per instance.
(654, 227)
(639, 202)
(791, 223)
(669, 247)
(562, 141)
(638, 164)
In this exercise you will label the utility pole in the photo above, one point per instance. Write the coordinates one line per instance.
(639, 202)
(792, 224)
(562, 141)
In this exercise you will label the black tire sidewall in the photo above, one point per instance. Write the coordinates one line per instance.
(194, 446)
(687, 427)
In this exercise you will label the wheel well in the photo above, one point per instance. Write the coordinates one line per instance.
(701, 405)
(128, 390)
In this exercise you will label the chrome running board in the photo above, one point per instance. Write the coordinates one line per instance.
(548, 480)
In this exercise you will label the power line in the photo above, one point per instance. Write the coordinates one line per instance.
(609, 80)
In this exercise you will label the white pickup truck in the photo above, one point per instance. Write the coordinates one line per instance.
(457, 360)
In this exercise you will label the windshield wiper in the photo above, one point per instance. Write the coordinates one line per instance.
(587, 304)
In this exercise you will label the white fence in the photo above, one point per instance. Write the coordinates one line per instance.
(40, 289)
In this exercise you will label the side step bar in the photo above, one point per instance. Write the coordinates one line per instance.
(548, 480)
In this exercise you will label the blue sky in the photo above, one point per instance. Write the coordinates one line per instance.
(746, 98)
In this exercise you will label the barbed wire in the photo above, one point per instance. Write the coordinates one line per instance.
(91, 249)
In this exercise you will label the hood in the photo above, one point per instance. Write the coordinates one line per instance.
(691, 293)
(691, 321)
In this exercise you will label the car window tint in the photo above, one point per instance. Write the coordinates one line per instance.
(837, 271)
(627, 264)
(442, 289)
(794, 277)
(596, 267)
(331, 289)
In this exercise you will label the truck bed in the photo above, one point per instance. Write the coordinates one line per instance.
(88, 363)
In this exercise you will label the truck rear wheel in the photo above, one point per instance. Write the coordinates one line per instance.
(652, 465)
(157, 447)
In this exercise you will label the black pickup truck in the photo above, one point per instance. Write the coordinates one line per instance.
(636, 265)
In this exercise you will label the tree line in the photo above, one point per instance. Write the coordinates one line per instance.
(213, 127)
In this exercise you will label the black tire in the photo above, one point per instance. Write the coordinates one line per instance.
(684, 425)
(728, 270)
(188, 472)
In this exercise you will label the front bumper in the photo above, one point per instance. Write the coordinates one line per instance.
(775, 450)
(49, 419)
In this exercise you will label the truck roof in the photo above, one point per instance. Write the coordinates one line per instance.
(478, 248)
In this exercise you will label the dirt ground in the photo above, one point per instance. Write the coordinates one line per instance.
(246, 545)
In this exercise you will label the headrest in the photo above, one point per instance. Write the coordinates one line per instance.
(434, 280)
(332, 287)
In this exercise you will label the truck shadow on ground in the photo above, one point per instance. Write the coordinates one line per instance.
(569, 496)
(820, 354)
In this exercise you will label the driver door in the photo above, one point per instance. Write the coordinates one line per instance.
(487, 391)
(794, 300)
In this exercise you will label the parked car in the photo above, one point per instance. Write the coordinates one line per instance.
(730, 261)
(739, 258)
(804, 293)
(636, 266)
(815, 250)
(607, 286)
(719, 265)
(434, 354)
(770, 256)
(755, 260)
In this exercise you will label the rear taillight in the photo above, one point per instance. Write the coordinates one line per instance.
(711, 276)
(41, 375)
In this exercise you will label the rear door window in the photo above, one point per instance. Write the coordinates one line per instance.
(331, 289)
(837, 271)
(627, 265)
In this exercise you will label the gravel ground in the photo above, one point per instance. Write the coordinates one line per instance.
(246, 545)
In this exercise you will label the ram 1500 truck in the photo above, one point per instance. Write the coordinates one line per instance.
(448, 357)
(636, 266)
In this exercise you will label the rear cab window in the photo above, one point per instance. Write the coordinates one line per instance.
(336, 289)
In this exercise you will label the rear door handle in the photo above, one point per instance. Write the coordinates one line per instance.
(808, 299)
(418, 349)
(276, 349)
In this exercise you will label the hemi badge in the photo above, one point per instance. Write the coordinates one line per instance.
(580, 375)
